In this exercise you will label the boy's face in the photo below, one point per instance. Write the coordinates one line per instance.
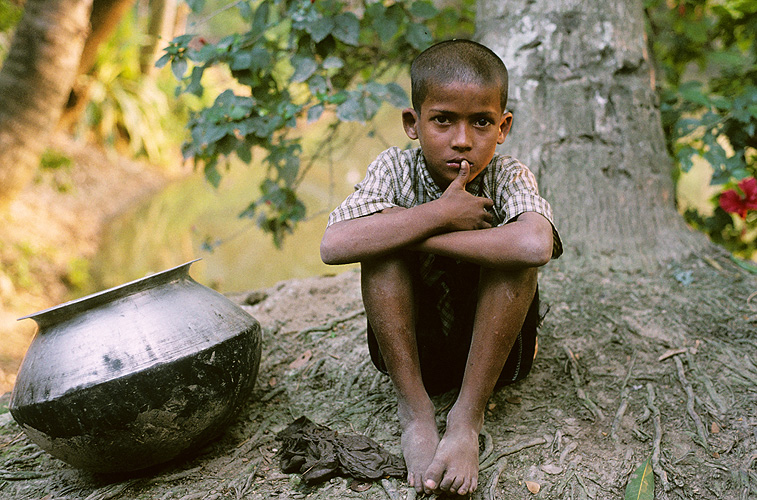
(458, 121)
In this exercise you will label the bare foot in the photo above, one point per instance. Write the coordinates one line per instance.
(419, 440)
(454, 468)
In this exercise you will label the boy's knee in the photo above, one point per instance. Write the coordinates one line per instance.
(516, 279)
(391, 265)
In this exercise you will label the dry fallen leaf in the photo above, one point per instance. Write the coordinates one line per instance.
(359, 486)
(301, 360)
(715, 428)
(515, 400)
(533, 487)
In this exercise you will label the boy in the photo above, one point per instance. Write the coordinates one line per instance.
(449, 237)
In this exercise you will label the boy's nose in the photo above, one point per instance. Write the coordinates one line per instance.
(462, 138)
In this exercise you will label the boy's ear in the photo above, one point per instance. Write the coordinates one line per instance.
(504, 126)
(410, 122)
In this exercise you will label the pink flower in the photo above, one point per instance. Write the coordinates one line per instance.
(733, 202)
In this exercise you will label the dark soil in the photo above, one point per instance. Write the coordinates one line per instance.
(630, 366)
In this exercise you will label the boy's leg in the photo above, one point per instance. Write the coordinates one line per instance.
(504, 298)
(387, 289)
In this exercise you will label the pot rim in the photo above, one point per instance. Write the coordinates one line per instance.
(49, 315)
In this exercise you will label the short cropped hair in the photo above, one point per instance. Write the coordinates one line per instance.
(459, 60)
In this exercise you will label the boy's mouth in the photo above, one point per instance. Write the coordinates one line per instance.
(458, 162)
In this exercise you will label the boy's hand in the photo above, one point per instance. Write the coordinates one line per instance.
(465, 211)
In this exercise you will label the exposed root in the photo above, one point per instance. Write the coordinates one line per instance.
(701, 432)
(655, 412)
(585, 400)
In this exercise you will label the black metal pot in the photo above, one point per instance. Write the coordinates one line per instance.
(136, 375)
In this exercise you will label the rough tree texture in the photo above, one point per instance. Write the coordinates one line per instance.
(586, 123)
(34, 84)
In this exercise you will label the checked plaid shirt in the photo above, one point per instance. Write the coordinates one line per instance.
(399, 178)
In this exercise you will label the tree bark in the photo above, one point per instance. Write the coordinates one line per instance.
(34, 83)
(160, 30)
(587, 124)
(103, 21)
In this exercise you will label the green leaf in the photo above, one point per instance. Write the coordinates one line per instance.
(396, 96)
(244, 10)
(261, 18)
(333, 62)
(241, 60)
(212, 175)
(179, 67)
(641, 483)
(163, 60)
(351, 110)
(347, 28)
(418, 36)
(320, 29)
(692, 92)
(423, 9)
(304, 67)
(315, 112)
(385, 27)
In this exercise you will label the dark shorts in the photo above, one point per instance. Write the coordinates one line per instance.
(443, 358)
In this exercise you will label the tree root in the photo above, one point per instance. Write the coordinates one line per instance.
(488, 446)
(701, 432)
(585, 400)
(331, 324)
(624, 392)
(510, 450)
(655, 412)
(491, 486)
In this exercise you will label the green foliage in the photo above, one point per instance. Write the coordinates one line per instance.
(126, 110)
(297, 61)
(10, 15)
(706, 51)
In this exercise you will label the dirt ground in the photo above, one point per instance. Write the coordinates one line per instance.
(629, 367)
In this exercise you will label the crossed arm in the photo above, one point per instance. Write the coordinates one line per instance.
(456, 225)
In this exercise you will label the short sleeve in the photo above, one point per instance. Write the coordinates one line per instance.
(517, 193)
(374, 193)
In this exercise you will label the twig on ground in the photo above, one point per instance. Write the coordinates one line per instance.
(352, 380)
(658, 470)
(331, 324)
(701, 432)
(624, 392)
(568, 449)
(510, 450)
(491, 487)
(585, 400)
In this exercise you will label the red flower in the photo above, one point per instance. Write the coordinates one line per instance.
(733, 202)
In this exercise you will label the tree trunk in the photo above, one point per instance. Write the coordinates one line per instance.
(160, 30)
(103, 21)
(34, 83)
(586, 122)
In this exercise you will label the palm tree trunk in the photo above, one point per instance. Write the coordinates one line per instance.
(34, 84)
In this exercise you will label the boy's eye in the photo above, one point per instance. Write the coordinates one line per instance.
(442, 120)
(483, 122)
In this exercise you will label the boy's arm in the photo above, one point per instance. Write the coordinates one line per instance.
(371, 236)
(527, 241)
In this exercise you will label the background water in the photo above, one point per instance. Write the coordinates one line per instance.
(169, 228)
